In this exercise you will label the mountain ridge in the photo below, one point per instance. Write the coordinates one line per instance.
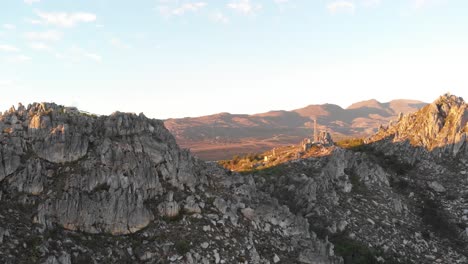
(222, 135)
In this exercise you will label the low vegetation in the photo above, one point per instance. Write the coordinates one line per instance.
(261, 161)
(245, 163)
(351, 143)
(182, 247)
(354, 252)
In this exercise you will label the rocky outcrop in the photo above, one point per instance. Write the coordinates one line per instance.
(68, 178)
(440, 127)
(119, 161)
(400, 198)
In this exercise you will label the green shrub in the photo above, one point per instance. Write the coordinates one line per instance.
(182, 247)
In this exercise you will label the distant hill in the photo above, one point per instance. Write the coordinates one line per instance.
(223, 135)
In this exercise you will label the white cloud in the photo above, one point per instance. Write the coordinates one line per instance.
(6, 83)
(341, 6)
(244, 6)
(168, 9)
(30, 2)
(63, 19)
(118, 43)
(8, 48)
(418, 4)
(371, 3)
(50, 35)
(39, 46)
(20, 58)
(8, 26)
(219, 18)
(281, 1)
(192, 7)
(34, 21)
(93, 56)
(76, 54)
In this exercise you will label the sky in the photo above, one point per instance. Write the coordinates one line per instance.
(180, 58)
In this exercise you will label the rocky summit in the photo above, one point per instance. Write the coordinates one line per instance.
(80, 188)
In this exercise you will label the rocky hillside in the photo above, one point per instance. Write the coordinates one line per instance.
(78, 188)
(440, 127)
(223, 135)
(400, 198)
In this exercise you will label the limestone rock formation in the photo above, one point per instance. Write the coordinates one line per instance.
(72, 184)
(440, 127)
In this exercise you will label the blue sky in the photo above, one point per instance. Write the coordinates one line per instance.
(177, 58)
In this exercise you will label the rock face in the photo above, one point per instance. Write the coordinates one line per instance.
(72, 182)
(440, 127)
(119, 161)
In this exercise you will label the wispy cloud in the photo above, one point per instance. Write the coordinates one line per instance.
(19, 58)
(281, 1)
(6, 83)
(93, 56)
(8, 26)
(189, 7)
(219, 17)
(39, 46)
(49, 35)
(419, 4)
(371, 3)
(118, 43)
(63, 19)
(245, 7)
(8, 48)
(77, 54)
(168, 8)
(341, 6)
(30, 2)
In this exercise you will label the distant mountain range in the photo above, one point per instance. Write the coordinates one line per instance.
(220, 136)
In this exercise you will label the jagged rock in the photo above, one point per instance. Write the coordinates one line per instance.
(3, 234)
(63, 259)
(248, 213)
(71, 182)
(276, 259)
(169, 208)
(325, 139)
(397, 205)
(309, 257)
(30, 179)
(437, 186)
(10, 150)
(342, 225)
(221, 205)
(440, 127)
(191, 206)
